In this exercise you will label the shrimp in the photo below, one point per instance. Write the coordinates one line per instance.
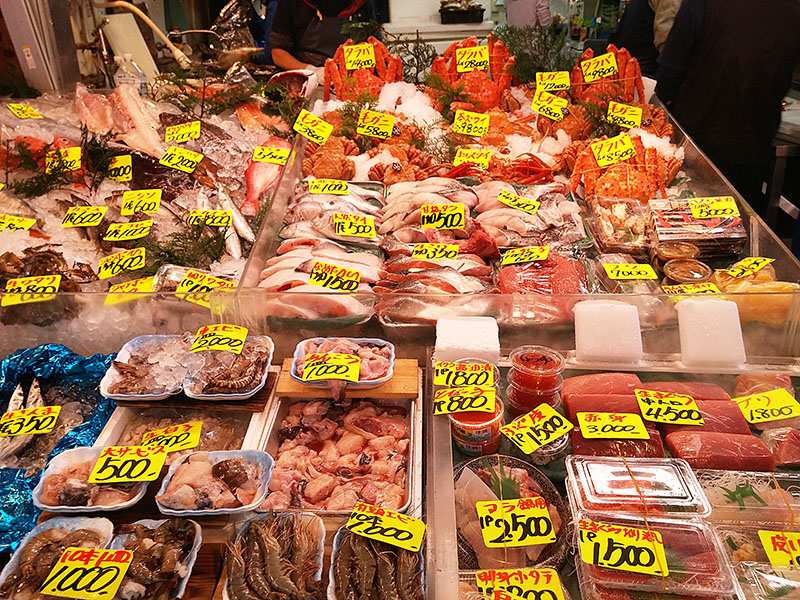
(365, 565)
(272, 562)
(342, 569)
(407, 582)
(304, 547)
(386, 579)
(237, 586)
(254, 568)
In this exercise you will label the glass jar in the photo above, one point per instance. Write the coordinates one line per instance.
(667, 251)
(681, 271)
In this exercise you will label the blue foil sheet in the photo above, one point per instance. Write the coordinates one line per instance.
(59, 366)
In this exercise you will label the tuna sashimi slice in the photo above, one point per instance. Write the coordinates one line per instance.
(601, 383)
(711, 450)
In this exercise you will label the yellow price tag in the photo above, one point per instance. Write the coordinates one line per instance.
(782, 547)
(87, 573)
(629, 271)
(475, 58)
(331, 365)
(714, 207)
(128, 231)
(470, 155)
(549, 105)
(519, 202)
(38, 288)
(375, 124)
(29, 421)
(624, 115)
(613, 150)
(667, 407)
(146, 201)
(182, 132)
(14, 223)
(387, 526)
(443, 216)
(552, 81)
(691, 288)
(195, 287)
(24, 111)
(270, 154)
(129, 290)
(464, 399)
(181, 158)
(599, 67)
(470, 123)
(334, 277)
(748, 266)
(537, 428)
(68, 159)
(525, 255)
(623, 548)
(175, 437)
(211, 218)
(543, 584)
(312, 127)
(359, 56)
(462, 374)
(127, 260)
(435, 251)
(84, 216)
(614, 426)
(220, 337)
(355, 225)
(515, 523)
(121, 464)
(121, 168)
(328, 186)
(768, 406)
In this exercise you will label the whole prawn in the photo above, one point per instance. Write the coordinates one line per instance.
(237, 586)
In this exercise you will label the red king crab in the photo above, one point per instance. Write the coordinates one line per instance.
(483, 87)
(348, 83)
(620, 86)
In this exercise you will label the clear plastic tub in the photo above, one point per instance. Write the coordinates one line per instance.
(484, 448)
(477, 426)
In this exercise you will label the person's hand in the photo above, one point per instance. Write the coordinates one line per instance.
(228, 57)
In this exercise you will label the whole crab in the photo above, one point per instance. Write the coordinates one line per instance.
(574, 124)
(621, 85)
(484, 88)
(654, 120)
(329, 161)
(410, 164)
(347, 84)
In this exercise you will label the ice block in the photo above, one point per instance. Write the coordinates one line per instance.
(468, 337)
(607, 331)
(711, 335)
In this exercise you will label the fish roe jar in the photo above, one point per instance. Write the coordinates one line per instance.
(536, 368)
(475, 426)
(686, 270)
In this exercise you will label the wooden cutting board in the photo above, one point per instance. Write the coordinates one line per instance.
(403, 384)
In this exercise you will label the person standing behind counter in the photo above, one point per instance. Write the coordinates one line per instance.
(306, 32)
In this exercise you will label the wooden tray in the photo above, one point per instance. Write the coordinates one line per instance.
(403, 384)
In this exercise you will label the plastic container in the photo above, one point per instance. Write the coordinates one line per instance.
(686, 270)
(361, 384)
(536, 368)
(522, 401)
(656, 486)
(664, 252)
(129, 72)
(484, 448)
(555, 450)
(476, 426)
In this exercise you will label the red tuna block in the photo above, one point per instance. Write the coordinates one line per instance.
(610, 403)
(730, 451)
(756, 384)
(652, 448)
(784, 444)
(698, 391)
(601, 383)
(721, 416)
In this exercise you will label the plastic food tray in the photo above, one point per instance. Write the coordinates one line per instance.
(363, 385)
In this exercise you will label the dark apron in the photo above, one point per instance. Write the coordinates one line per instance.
(324, 36)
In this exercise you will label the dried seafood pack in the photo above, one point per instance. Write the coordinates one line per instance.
(222, 374)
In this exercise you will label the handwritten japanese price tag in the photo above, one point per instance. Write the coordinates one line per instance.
(120, 168)
(782, 547)
(505, 595)
(87, 573)
(552, 81)
(519, 202)
(336, 278)
(470, 155)
(211, 218)
(29, 421)
(24, 111)
(470, 123)
(613, 426)
(691, 288)
(475, 58)
(220, 337)
(387, 526)
(624, 115)
(623, 548)
(128, 231)
(182, 159)
(541, 584)
(67, 159)
(714, 207)
(129, 290)
(356, 225)
(270, 154)
(331, 365)
(518, 256)
(462, 374)
(359, 56)
(599, 67)
(549, 105)
(629, 271)
(183, 132)
(175, 437)
(667, 407)
(443, 216)
(38, 288)
(464, 399)
(127, 260)
(14, 223)
(610, 151)
(312, 127)
(328, 186)
(435, 251)
(84, 216)
(195, 286)
(768, 406)
(537, 428)
(146, 201)
(515, 523)
(748, 266)
(375, 124)
(120, 464)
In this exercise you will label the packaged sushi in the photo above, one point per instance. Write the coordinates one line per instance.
(770, 500)
(649, 448)
(601, 383)
(711, 450)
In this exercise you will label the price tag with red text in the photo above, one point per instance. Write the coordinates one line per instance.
(612, 426)
(549, 105)
(146, 201)
(624, 548)
(375, 124)
(84, 216)
(14, 223)
(748, 266)
(211, 218)
(24, 111)
(120, 168)
(519, 202)
(435, 251)
(515, 523)
(359, 56)
(613, 150)
(464, 399)
(624, 115)
(782, 547)
(29, 421)
(475, 58)
(182, 159)
(270, 154)
(356, 225)
(470, 123)
(195, 287)
(598, 67)
(622, 271)
(175, 437)
(551, 81)
(443, 216)
(128, 231)
(331, 365)
(387, 526)
(220, 337)
(471, 155)
(691, 288)
(127, 260)
(768, 406)
(328, 186)
(38, 288)
(542, 584)
(66, 159)
(130, 290)
(518, 256)
(312, 127)
(453, 374)
(87, 573)
(539, 427)
(334, 277)
(182, 132)
(668, 407)
(714, 207)
(123, 464)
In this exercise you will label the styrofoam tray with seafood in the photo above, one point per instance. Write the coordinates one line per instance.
(118, 543)
(365, 384)
(190, 382)
(254, 457)
(103, 526)
(71, 457)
